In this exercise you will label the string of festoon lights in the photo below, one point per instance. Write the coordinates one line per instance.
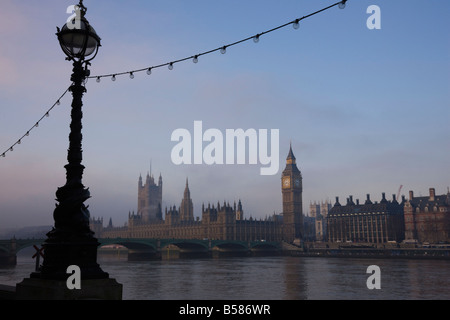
(223, 49)
(46, 115)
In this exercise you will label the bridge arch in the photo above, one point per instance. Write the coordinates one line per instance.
(263, 248)
(131, 244)
(138, 249)
(230, 245)
(262, 245)
(187, 244)
(26, 243)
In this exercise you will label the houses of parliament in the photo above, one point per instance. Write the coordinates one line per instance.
(218, 222)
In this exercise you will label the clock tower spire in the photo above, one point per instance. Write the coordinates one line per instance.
(291, 189)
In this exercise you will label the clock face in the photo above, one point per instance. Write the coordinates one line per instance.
(297, 182)
(286, 182)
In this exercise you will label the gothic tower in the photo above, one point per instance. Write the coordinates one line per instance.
(149, 199)
(186, 207)
(291, 189)
(239, 211)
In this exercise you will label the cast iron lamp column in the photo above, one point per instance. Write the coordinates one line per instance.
(71, 241)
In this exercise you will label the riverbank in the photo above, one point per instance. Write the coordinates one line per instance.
(369, 251)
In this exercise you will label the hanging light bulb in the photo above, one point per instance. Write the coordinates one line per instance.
(3, 155)
(195, 59)
(131, 75)
(296, 24)
(19, 142)
(149, 71)
(98, 79)
(170, 66)
(58, 103)
(223, 50)
(113, 78)
(47, 114)
(28, 133)
(37, 124)
(342, 4)
(256, 38)
(11, 149)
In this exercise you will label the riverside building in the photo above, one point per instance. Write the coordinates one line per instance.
(370, 222)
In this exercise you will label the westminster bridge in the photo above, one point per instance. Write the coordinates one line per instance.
(147, 249)
(142, 249)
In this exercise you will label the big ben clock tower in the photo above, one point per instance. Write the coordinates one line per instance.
(291, 188)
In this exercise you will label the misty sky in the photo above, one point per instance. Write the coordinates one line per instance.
(365, 110)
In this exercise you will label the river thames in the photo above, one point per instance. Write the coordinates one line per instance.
(265, 278)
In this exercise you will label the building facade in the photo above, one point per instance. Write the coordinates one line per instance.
(371, 222)
(217, 222)
(427, 219)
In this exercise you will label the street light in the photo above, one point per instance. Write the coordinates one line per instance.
(71, 241)
(78, 38)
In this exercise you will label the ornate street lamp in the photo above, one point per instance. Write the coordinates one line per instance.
(78, 39)
(71, 241)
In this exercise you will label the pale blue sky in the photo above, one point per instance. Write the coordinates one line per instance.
(366, 110)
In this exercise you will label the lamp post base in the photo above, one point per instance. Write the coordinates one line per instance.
(59, 255)
(50, 282)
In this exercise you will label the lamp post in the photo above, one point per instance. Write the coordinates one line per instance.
(71, 242)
